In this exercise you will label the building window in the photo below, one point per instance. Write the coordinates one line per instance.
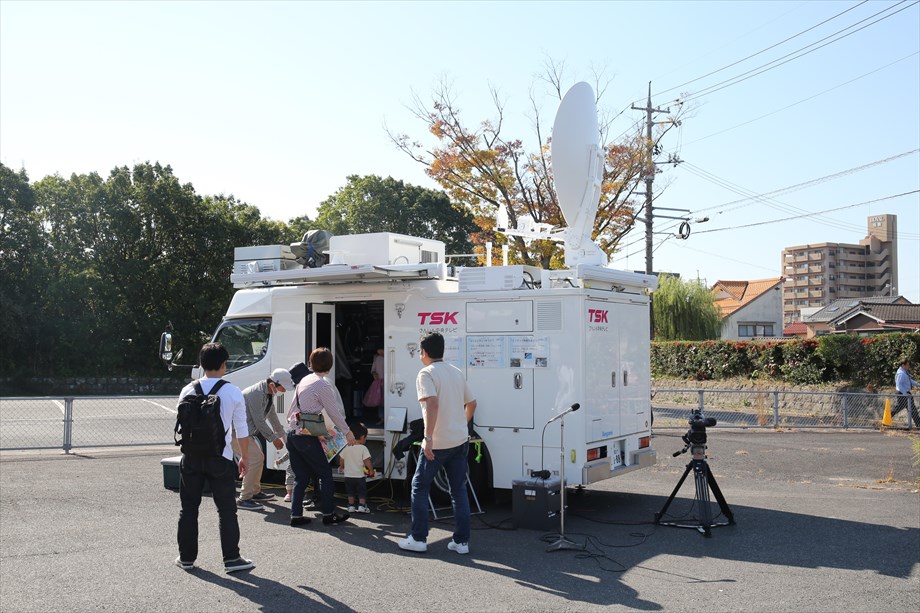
(752, 330)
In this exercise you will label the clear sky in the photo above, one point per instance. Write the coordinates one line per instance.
(277, 103)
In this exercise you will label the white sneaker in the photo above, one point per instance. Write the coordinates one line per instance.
(363, 509)
(287, 497)
(351, 508)
(461, 548)
(410, 544)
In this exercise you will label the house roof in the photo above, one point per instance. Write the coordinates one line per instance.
(887, 315)
(843, 306)
(732, 295)
(795, 329)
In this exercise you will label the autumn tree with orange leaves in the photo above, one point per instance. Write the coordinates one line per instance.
(482, 169)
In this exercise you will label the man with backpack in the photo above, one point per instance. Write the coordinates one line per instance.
(209, 409)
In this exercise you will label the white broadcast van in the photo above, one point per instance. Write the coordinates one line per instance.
(531, 342)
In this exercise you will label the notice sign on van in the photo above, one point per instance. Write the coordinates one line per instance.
(495, 351)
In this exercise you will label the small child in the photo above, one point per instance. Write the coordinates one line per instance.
(355, 460)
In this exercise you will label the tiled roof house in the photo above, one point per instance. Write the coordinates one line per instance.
(750, 309)
(878, 319)
(824, 321)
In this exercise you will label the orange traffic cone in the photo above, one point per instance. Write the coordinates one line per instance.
(886, 416)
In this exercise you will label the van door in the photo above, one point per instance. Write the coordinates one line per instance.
(603, 380)
(320, 329)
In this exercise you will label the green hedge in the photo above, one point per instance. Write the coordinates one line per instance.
(838, 358)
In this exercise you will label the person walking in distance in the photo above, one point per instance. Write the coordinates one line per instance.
(220, 471)
(261, 419)
(447, 407)
(903, 383)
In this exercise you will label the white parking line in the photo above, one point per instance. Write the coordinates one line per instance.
(60, 405)
(162, 406)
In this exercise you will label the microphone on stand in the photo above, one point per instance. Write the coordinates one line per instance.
(571, 409)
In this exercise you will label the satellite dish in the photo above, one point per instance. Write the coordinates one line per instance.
(578, 169)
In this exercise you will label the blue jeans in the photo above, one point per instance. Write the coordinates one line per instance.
(221, 474)
(454, 462)
(308, 460)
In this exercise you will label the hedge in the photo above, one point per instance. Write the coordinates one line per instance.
(837, 358)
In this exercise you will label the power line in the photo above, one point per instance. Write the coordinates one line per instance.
(764, 50)
(722, 257)
(809, 183)
(768, 66)
(840, 208)
(804, 99)
(770, 202)
(753, 198)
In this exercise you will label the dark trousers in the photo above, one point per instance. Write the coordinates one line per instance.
(221, 474)
(308, 460)
(906, 401)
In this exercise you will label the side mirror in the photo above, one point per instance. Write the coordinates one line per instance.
(166, 352)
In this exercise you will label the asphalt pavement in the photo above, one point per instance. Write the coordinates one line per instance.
(825, 521)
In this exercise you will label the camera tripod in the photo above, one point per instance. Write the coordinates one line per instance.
(704, 482)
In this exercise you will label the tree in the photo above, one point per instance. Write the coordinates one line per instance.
(23, 272)
(372, 204)
(685, 311)
(483, 169)
(128, 254)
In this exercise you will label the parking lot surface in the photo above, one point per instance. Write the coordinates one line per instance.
(826, 521)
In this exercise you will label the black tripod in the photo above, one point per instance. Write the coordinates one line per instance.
(695, 441)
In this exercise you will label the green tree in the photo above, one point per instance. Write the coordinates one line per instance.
(128, 254)
(23, 272)
(684, 311)
(371, 204)
(483, 169)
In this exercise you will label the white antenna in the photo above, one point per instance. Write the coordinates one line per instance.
(578, 169)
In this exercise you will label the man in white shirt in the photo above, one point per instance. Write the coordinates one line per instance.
(220, 471)
(447, 407)
(903, 383)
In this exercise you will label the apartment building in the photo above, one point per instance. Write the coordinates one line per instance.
(817, 274)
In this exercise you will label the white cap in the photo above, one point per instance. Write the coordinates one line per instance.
(283, 378)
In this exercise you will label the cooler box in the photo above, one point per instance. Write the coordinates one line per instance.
(171, 474)
(535, 503)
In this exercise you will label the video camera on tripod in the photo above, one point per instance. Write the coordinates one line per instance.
(695, 442)
(696, 435)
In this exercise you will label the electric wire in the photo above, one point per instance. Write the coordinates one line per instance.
(802, 100)
(775, 204)
(840, 208)
(810, 182)
(764, 50)
(792, 56)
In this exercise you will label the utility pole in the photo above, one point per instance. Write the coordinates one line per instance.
(649, 180)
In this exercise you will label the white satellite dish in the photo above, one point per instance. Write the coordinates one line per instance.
(578, 169)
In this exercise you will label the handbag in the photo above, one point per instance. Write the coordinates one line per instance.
(373, 397)
(314, 423)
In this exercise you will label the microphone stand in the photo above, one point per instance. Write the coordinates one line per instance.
(562, 543)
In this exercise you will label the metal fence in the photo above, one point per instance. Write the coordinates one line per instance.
(71, 422)
(86, 421)
(777, 409)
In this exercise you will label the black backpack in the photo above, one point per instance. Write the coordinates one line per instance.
(199, 429)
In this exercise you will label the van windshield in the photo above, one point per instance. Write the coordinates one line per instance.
(245, 339)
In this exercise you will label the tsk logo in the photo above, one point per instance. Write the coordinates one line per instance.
(438, 318)
(597, 316)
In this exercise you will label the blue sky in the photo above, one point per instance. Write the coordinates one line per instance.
(277, 103)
